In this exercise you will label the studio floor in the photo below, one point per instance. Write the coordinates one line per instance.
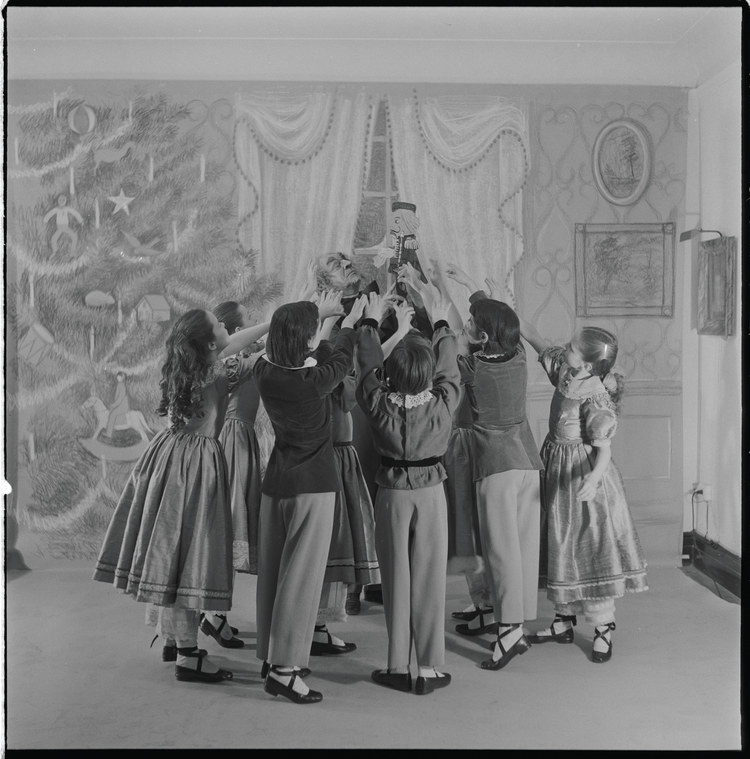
(80, 675)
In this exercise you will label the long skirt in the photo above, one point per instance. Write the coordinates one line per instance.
(593, 549)
(243, 463)
(352, 558)
(169, 541)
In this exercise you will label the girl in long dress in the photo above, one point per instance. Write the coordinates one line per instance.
(169, 541)
(594, 553)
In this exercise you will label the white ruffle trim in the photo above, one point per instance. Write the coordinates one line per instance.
(410, 401)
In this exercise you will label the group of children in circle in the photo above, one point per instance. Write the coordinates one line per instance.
(459, 476)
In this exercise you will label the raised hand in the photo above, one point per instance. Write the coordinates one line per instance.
(493, 288)
(358, 308)
(376, 305)
(404, 313)
(329, 304)
(440, 304)
(456, 273)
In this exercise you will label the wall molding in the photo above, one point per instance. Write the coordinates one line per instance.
(544, 391)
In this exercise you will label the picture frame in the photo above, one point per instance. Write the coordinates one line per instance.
(621, 161)
(717, 271)
(624, 270)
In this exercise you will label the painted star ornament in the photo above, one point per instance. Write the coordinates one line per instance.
(121, 202)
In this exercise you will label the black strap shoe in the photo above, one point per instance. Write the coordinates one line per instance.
(426, 685)
(600, 631)
(558, 631)
(521, 646)
(198, 675)
(396, 680)
(277, 688)
(301, 671)
(215, 632)
(468, 616)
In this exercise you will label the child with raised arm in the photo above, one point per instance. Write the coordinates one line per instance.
(464, 540)
(243, 461)
(409, 399)
(352, 559)
(169, 542)
(505, 466)
(299, 487)
(594, 554)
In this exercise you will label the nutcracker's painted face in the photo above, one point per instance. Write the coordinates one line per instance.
(405, 222)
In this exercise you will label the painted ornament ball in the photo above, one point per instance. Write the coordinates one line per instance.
(82, 119)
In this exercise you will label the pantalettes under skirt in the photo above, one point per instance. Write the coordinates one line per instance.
(593, 548)
(170, 539)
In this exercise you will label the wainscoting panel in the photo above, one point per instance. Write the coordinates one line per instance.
(646, 450)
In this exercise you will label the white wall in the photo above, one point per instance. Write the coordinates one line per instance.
(712, 374)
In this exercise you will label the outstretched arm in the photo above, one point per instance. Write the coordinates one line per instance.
(404, 313)
(459, 275)
(436, 275)
(532, 336)
(245, 337)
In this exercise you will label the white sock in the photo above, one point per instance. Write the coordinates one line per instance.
(285, 675)
(429, 672)
(191, 662)
(216, 620)
(321, 636)
(512, 637)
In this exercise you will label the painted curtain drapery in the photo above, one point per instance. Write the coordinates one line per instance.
(463, 161)
(301, 155)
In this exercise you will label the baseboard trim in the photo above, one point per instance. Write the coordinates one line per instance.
(713, 560)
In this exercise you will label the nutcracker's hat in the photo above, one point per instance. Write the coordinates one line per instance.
(399, 205)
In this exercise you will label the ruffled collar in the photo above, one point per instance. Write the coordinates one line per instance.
(410, 401)
(572, 387)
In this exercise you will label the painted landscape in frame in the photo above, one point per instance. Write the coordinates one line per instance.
(624, 269)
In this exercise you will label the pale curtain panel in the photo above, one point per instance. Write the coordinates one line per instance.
(463, 161)
(301, 155)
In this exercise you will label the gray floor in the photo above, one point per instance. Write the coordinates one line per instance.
(80, 674)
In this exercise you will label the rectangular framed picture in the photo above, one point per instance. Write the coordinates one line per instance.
(624, 269)
(717, 262)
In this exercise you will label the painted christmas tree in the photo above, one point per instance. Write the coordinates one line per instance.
(132, 226)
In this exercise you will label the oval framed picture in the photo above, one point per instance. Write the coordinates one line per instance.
(622, 161)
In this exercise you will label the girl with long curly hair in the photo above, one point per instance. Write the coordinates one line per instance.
(169, 542)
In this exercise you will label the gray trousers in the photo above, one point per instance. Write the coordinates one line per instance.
(294, 538)
(411, 539)
(509, 516)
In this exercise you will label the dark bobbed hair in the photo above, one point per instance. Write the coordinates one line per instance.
(229, 313)
(185, 367)
(411, 364)
(292, 327)
(500, 322)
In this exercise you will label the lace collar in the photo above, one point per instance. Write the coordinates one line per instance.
(572, 387)
(410, 401)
